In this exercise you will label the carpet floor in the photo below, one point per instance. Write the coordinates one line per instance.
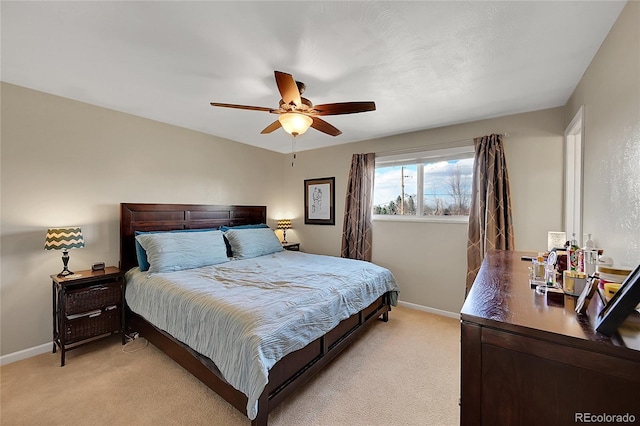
(413, 378)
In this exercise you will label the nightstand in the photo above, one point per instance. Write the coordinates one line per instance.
(291, 246)
(87, 305)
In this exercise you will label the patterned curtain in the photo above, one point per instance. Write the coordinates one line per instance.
(490, 221)
(356, 232)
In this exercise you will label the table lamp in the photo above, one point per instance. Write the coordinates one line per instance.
(284, 224)
(64, 239)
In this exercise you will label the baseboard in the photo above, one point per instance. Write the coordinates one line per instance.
(26, 353)
(455, 315)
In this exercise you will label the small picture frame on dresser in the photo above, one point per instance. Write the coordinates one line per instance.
(585, 297)
(621, 305)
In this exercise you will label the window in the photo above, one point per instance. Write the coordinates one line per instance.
(428, 185)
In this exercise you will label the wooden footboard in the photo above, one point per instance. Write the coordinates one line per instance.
(286, 376)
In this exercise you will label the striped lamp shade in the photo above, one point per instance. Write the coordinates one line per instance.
(64, 239)
(284, 224)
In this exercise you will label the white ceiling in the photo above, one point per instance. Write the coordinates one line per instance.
(425, 64)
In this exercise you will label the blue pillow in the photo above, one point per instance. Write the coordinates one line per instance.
(248, 243)
(176, 251)
(258, 225)
(141, 254)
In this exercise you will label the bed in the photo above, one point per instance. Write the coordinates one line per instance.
(263, 386)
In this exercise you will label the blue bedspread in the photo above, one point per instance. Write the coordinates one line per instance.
(246, 315)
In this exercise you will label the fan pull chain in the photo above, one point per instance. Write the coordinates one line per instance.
(293, 150)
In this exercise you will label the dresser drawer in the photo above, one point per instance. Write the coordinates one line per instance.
(93, 324)
(94, 297)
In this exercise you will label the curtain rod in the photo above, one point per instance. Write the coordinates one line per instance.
(432, 147)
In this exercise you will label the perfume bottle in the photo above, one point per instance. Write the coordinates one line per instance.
(538, 269)
(573, 250)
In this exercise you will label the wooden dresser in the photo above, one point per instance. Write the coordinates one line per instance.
(529, 360)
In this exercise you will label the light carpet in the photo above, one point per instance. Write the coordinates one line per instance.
(412, 378)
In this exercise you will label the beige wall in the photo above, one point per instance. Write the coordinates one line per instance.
(429, 259)
(610, 93)
(69, 163)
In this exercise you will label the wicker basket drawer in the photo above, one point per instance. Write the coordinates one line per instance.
(93, 324)
(94, 297)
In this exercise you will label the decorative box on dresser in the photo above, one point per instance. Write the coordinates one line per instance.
(86, 305)
(529, 359)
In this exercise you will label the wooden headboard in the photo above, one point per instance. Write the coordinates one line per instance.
(169, 217)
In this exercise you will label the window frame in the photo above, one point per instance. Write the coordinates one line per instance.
(419, 158)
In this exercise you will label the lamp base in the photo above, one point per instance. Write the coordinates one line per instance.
(65, 261)
(65, 273)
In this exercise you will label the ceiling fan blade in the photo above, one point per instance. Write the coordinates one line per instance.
(252, 108)
(324, 127)
(271, 127)
(288, 88)
(344, 108)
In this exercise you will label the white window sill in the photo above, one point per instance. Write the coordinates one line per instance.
(428, 219)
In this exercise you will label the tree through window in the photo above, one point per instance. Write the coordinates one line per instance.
(432, 183)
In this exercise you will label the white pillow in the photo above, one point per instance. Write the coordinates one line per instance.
(247, 243)
(175, 251)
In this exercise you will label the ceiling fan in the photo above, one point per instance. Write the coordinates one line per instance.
(296, 114)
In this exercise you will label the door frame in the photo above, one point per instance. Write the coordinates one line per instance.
(573, 179)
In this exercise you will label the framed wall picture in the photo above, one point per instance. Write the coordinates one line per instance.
(319, 201)
(621, 305)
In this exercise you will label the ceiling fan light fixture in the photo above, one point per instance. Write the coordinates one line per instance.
(296, 114)
(295, 123)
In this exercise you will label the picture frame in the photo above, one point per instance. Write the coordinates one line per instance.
(582, 304)
(621, 305)
(319, 201)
